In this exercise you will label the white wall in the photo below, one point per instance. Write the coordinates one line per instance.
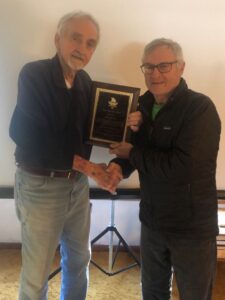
(27, 28)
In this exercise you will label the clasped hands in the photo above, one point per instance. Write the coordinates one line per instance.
(108, 177)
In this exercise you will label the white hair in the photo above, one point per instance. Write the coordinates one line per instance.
(76, 15)
(174, 46)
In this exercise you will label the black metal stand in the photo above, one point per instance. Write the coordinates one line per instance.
(54, 273)
(112, 256)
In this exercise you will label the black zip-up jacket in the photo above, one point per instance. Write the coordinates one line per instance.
(175, 156)
(49, 123)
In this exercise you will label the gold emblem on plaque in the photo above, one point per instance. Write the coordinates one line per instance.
(113, 103)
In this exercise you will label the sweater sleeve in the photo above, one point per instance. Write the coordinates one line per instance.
(28, 123)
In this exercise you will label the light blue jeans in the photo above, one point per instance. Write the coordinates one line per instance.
(53, 211)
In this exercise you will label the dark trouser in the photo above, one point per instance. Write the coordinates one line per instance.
(193, 262)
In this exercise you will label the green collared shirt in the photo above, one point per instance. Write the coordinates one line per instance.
(155, 109)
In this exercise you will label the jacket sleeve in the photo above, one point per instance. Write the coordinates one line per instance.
(28, 123)
(126, 166)
(196, 143)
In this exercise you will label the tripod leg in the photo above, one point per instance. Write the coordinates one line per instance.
(100, 235)
(126, 246)
(111, 251)
(116, 253)
(54, 273)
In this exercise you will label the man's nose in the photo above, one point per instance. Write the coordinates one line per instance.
(81, 47)
(155, 71)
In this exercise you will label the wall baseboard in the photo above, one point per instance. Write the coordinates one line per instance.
(10, 246)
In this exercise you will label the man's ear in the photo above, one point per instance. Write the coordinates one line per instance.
(182, 67)
(57, 38)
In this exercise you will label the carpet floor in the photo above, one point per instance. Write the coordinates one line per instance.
(122, 286)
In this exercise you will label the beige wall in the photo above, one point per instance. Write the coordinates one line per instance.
(27, 28)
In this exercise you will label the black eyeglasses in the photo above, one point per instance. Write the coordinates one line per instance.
(163, 67)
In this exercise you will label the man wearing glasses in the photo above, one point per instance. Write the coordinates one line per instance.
(175, 152)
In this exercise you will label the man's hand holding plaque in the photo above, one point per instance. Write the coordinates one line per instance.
(111, 106)
(134, 120)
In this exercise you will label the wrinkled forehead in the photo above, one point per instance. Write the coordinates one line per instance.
(80, 25)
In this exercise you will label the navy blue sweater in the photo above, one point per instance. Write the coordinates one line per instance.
(49, 123)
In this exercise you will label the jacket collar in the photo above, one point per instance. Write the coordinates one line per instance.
(57, 73)
(181, 88)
